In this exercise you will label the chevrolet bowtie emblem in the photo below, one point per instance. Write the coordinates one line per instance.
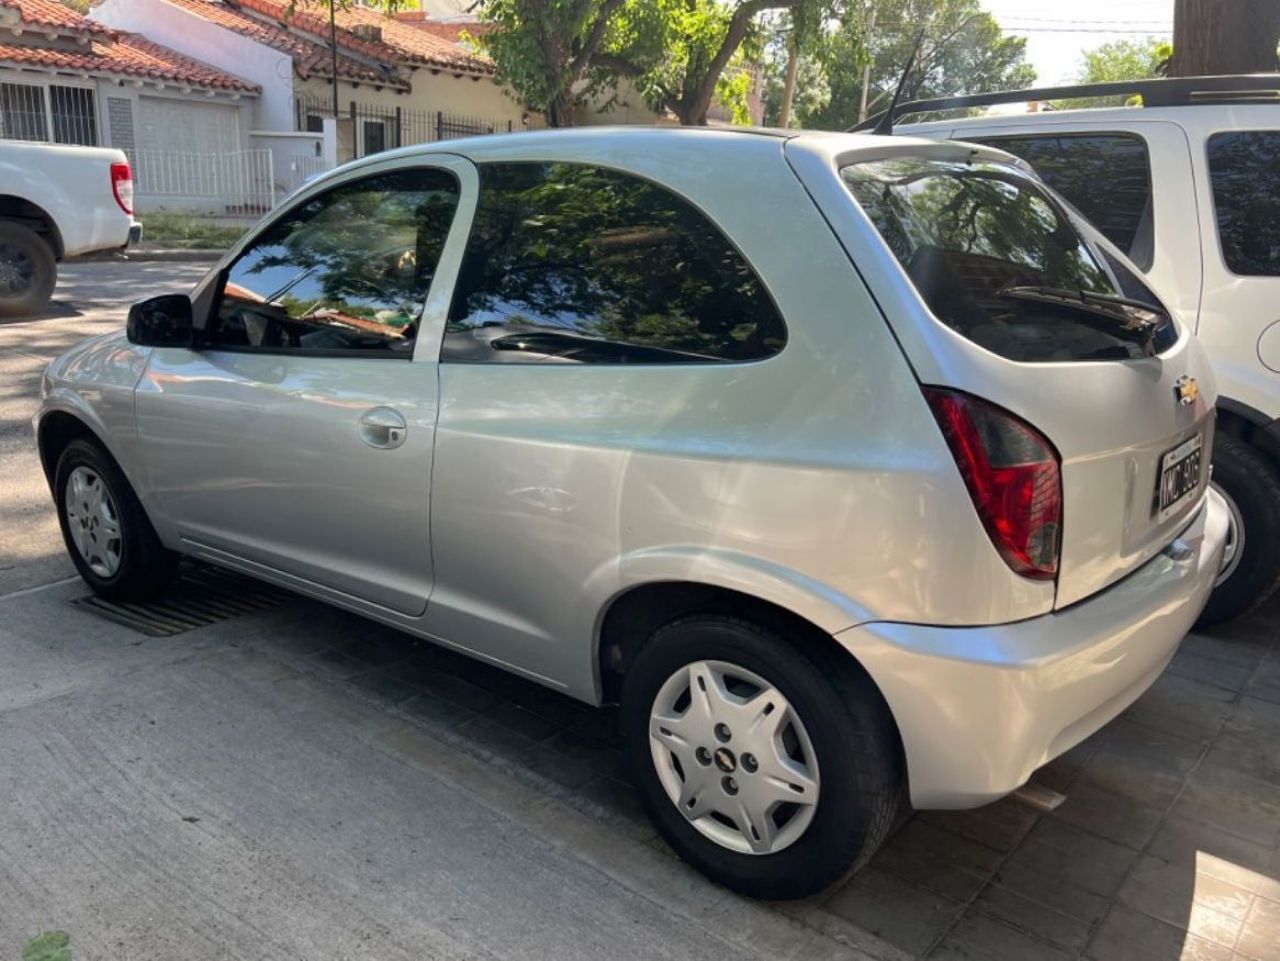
(1186, 390)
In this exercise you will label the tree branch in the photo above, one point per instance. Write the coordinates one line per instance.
(733, 37)
(578, 65)
(617, 64)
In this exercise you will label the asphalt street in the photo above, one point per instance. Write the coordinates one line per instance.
(298, 783)
(91, 298)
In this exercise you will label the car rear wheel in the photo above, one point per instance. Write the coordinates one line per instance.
(28, 270)
(107, 533)
(1250, 573)
(774, 772)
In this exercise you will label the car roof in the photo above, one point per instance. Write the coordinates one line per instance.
(691, 143)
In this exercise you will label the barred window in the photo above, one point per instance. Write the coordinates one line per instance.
(62, 115)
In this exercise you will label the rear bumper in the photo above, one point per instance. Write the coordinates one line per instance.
(135, 234)
(980, 708)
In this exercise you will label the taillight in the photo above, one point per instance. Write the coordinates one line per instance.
(122, 186)
(1013, 475)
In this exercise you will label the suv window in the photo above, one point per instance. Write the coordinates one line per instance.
(346, 271)
(1106, 176)
(1245, 175)
(572, 263)
(998, 260)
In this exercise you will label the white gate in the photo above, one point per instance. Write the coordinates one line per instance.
(225, 182)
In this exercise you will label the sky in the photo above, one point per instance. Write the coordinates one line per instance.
(1058, 30)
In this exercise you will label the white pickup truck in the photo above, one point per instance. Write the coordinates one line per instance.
(57, 202)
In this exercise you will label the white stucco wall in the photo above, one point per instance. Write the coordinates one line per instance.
(231, 53)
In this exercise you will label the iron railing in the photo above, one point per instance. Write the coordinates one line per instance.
(232, 181)
(370, 128)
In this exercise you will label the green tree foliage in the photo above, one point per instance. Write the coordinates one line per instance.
(681, 55)
(558, 53)
(707, 46)
(1119, 60)
(813, 92)
(963, 51)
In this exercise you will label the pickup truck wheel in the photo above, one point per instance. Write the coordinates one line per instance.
(1251, 569)
(107, 532)
(28, 270)
(773, 774)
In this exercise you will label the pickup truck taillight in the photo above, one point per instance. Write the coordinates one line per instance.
(1013, 475)
(122, 186)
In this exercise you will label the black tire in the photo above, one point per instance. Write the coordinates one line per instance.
(145, 565)
(848, 723)
(28, 270)
(1252, 482)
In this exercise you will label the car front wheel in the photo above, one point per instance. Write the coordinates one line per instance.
(107, 532)
(774, 772)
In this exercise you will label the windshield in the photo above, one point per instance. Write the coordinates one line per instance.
(999, 260)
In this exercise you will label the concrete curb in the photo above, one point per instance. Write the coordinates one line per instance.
(155, 254)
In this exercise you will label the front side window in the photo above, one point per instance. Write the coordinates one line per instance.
(571, 263)
(348, 270)
(999, 261)
(1245, 174)
(1106, 176)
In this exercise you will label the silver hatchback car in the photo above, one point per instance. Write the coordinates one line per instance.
(857, 469)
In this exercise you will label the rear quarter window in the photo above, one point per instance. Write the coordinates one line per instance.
(1244, 170)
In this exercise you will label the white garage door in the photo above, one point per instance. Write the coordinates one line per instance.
(188, 127)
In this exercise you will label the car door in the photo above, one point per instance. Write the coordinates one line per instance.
(297, 438)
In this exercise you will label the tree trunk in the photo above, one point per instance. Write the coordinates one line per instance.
(560, 112)
(789, 85)
(1224, 36)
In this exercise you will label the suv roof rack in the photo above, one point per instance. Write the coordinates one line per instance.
(1163, 92)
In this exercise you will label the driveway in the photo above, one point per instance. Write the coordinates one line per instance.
(295, 782)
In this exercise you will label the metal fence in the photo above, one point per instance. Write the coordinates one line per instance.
(230, 183)
(368, 128)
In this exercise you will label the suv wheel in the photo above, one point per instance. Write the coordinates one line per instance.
(28, 270)
(772, 774)
(1251, 566)
(108, 535)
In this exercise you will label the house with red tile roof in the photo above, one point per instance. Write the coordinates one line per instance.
(396, 84)
(68, 79)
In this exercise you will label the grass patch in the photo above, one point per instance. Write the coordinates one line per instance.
(50, 946)
(195, 233)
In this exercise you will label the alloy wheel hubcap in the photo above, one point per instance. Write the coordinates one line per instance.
(93, 521)
(17, 270)
(734, 757)
(1234, 547)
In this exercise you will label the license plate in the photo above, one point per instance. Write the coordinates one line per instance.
(1179, 478)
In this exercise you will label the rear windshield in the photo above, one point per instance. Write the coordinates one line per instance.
(1000, 260)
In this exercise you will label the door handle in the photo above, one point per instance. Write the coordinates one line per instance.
(383, 427)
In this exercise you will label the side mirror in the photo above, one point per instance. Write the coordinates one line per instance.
(164, 321)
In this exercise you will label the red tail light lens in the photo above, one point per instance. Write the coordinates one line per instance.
(1013, 475)
(122, 186)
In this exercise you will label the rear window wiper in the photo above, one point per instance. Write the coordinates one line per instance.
(1079, 297)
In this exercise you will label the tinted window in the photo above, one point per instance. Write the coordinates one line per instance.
(1107, 177)
(348, 270)
(1244, 168)
(576, 264)
(999, 261)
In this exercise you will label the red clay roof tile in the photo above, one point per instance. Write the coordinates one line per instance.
(310, 56)
(108, 52)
